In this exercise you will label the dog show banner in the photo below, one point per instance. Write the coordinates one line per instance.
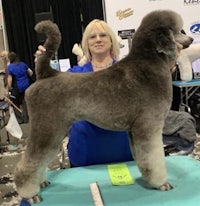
(124, 16)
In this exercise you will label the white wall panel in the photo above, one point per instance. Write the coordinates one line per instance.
(132, 12)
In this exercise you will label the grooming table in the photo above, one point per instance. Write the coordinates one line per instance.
(72, 186)
(187, 89)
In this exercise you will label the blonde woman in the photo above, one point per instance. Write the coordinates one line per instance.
(89, 144)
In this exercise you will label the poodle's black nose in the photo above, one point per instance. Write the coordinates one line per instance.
(187, 43)
(191, 39)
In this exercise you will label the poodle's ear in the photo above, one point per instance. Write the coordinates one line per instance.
(165, 43)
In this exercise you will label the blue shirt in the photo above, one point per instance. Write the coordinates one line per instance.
(90, 144)
(19, 72)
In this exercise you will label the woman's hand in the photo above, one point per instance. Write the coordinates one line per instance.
(41, 49)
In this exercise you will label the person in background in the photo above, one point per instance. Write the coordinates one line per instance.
(18, 82)
(89, 144)
(5, 63)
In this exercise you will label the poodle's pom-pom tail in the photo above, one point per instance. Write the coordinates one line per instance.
(52, 32)
(52, 43)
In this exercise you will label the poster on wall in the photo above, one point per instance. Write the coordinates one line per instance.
(124, 16)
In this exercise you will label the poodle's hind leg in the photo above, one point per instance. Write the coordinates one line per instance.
(27, 177)
(38, 198)
(149, 154)
(30, 171)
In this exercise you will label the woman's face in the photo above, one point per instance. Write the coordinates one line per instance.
(99, 42)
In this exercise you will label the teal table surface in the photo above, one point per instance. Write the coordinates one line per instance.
(72, 186)
(192, 83)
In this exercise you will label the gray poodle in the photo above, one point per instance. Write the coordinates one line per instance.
(134, 94)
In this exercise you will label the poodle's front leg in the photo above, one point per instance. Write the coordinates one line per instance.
(149, 155)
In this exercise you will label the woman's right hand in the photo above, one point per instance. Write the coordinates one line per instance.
(41, 49)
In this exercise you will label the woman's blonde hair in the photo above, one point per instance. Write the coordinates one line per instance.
(4, 56)
(102, 25)
(3, 53)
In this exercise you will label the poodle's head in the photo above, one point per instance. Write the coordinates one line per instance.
(168, 20)
(163, 32)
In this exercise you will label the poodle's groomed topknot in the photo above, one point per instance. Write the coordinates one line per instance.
(52, 43)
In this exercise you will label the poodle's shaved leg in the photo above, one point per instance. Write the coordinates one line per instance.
(149, 155)
(30, 171)
(28, 176)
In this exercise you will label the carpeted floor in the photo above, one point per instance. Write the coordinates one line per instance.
(8, 195)
(9, 156)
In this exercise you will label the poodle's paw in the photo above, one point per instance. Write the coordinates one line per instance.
(165, 187)
(35, 199)
(45, 184)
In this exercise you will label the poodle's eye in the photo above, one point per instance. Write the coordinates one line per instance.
(182, 31)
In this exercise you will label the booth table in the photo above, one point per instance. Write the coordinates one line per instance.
(71, 187)
(187, 89)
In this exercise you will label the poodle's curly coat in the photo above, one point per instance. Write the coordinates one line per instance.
(134, 95)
